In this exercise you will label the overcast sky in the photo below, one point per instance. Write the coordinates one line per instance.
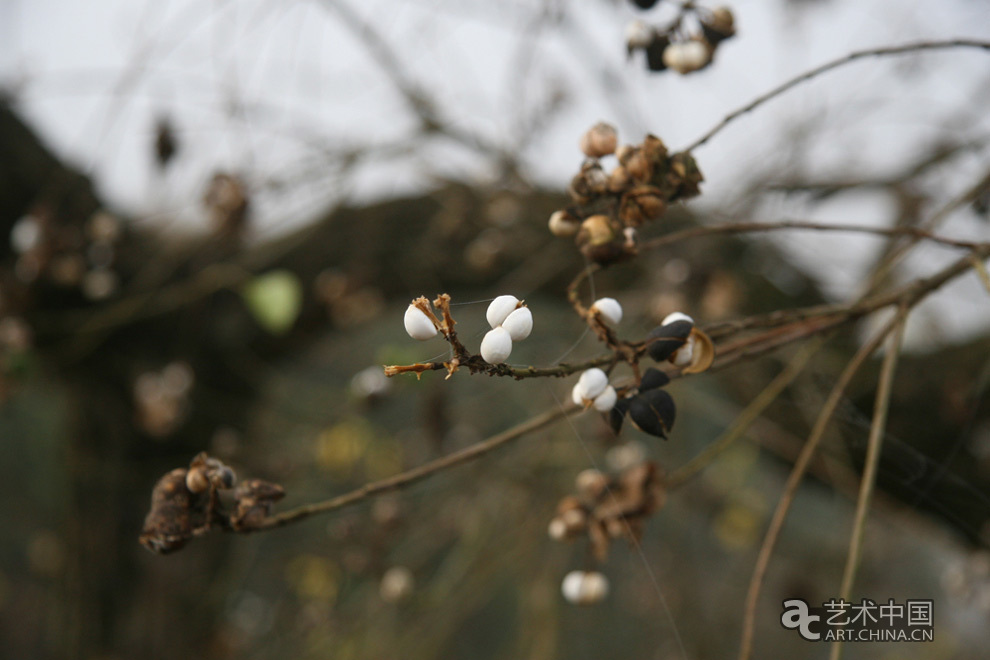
(268, 88)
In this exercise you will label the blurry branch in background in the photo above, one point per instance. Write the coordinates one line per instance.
(877, 430)
(820, 323)
(797, 474)
(828, 66)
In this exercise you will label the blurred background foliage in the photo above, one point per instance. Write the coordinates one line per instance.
(265, 350)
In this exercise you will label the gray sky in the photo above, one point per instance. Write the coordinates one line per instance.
(269, 88)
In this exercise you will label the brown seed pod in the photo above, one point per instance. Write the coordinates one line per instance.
(641, 204)
(719, 26)
(702, 352)
(599, 140)
(619, 179)
(684, 176)
(173, 516)
(197, 481)
(589, 183)
(596, 230)
(563, 223)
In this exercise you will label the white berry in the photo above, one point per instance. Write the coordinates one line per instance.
(638, 34)
(584, 588)
(606, 400)
(592, 382)
(676, 316)
(687, 56)
(609, 308)
(418, 324)
(519, 323)
(499, 310)
(496, 346)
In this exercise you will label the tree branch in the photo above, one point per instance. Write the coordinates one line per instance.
(828, 66)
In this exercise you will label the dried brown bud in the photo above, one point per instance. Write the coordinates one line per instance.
(563, 223)
(719, 26)
(684, 176)
(197, 481)
(173, 516)
(640, 204)
(591, 483)
(589, 183)
(596, 230)
(599, 140)
(638, 165)
(254, 502)
(619, 179)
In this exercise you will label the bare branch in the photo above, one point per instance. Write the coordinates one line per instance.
(828, 66)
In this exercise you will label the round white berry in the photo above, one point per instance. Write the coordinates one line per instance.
(519, 323)
(638, 34)
(499, 310)
(676, 316)
(592, 382)
(606, 400)
(496, 346)
(609, 308)
(418, 324)
(687, 56)
(584, 588)
(685, 354)
(562, 223)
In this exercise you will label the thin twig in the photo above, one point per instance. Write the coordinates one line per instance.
(421, 472)
(752, 227)
(877, 430)
(797, 474)
(747, 416)
(828, 66)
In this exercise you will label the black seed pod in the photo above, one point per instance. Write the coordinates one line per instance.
(654, 52)
(645, 4)
(652, 379)
(617, 414)
(653, 412)
(666, 339)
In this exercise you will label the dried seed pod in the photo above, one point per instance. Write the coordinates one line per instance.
(684, 176)
(639, 35)
(496, 346)
(645, 4)
(702, 353)
(719, 26)
(641, 204)
(596, 230)
(197, 481)
(606, 400)
(589, 183)
(584, 588)
(557, 529)
(255, 498)
(591, 483)
(519, 323)
(173, 516)
(653, 412)
(654, 149)
(609, 309)
(499, 309)
(563, 223)
(653, 379)
(618, 180)
(418, 324)
(638, 166)
(599, 140)
(687, 56)
(654, 52)
(666, 339)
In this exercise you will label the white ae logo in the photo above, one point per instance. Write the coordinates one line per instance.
(796, 616)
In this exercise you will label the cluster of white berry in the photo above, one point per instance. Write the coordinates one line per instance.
(510, 319)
